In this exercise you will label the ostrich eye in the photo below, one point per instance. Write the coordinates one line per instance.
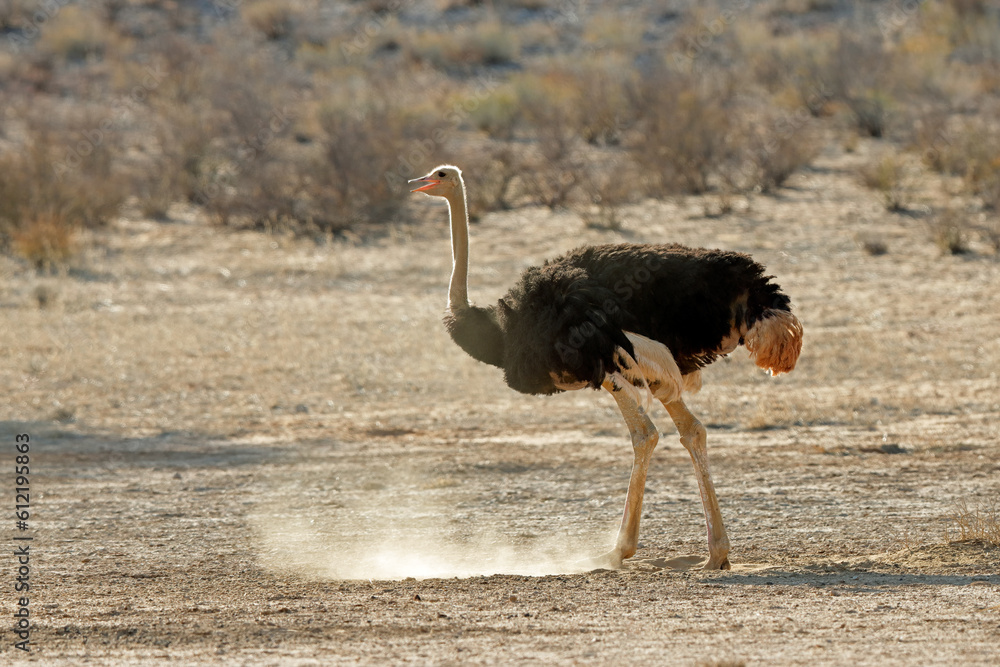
(441, 174)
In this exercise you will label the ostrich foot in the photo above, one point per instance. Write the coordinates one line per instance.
(720, 562)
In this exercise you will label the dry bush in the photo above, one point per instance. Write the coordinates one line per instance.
(982, 176)
(685, 134)
(889, 175)
(777, 146)
(933, 138)
(612, 30)
(552, 181)
(796, 72)
(48, 192)
(180, 167)
(972, 150)
(272, 18)
(859, 73)
(15, 14)
(499, 114)
(549, 107)
(46, 240)
(950, 232)
(976, 524)
(586, 98)
(991, 234)
(604, 108)
(483, 44)
(491, 172)
(75, 32)
(608, 186)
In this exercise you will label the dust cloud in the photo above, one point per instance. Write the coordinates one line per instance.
(393, 549)
(361, 522)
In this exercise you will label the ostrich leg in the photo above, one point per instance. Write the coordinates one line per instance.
(693, 438)
(644, 439)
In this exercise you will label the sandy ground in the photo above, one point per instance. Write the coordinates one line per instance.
(251, 449)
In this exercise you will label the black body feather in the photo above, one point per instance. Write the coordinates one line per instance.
(568, 316)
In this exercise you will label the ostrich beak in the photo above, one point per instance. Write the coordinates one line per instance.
(431, 182)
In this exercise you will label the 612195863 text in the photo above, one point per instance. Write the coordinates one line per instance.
(22, 542)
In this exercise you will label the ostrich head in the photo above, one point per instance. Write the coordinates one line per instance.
(442, 181)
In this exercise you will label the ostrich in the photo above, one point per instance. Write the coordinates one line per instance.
(638, 320)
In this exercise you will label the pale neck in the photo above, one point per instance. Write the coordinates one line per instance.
(458, 292)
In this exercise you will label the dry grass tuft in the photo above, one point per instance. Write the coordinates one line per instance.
(888, 174)
(487, 43)
(272, 18)
(47, 194)
(74, 33)
(950, 231)
(47, 241)
(609, 187)
(980, 523)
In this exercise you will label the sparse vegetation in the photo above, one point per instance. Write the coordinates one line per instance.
(950, 231)
(888, 174)
(250, 114)
(976, 523)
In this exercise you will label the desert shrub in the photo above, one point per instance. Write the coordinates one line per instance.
(979, 523)
(796, 73)
(982, 173)
(776, 146)
(549, 104)
(46, 240)
(15, 14)
(608, 185)
(859, 74)
(484, 44)
(950, 231)
(684, 135)
(612, 30)
(552, 175)
(272, 18)
(498, 114)
(490, 172)
(932, 137)
(179, 169)
(604, 108)
(888, 174)
(45, 196)
(75, 32)
(991, 233)
(354, 176)
(970, 150)
(379, 139)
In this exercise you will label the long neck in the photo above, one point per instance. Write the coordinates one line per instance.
(458, 292)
